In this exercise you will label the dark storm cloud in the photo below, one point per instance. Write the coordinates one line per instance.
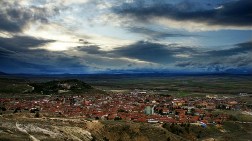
(21, 43)
(143, 51)
(5, 52)
(68, 61)
(241, 61)
(14, 17)
(236, 57)
(167, 54)
(41, 61)
(66, 65)
(238, 49)
(146, 51)
(91, 49)
(184, 64)
(235, 13)
(8, 25)
(152, 52)
(12, 63)
(156, 34)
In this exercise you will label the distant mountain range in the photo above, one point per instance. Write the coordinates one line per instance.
(227, 72)
(2, 73)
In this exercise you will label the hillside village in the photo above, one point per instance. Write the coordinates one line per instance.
(137, 106)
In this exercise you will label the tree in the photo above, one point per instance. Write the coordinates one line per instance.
(17, 110)
(122, 110)
(117, 118)
(36, 115)
(187, 128)
(105, 139)
(193, 111)
(199, 134)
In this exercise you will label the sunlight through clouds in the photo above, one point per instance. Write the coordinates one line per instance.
(121, 35)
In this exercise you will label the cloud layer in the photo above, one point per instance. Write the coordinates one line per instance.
(233, 13)
(125, 36)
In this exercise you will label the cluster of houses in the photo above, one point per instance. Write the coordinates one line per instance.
(136, 106)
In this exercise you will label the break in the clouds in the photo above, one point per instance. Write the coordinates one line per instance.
(125, 36)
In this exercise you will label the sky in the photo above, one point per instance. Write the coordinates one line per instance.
(125, 36)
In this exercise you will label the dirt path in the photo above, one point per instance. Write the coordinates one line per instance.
(24, 131)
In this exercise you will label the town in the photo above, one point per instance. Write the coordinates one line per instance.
(136, 106)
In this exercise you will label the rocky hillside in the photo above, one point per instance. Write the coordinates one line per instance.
(42, 131)
(22, 128)
(128, 131)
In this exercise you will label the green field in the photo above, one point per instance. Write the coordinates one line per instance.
(181, 85)
(173, 85)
